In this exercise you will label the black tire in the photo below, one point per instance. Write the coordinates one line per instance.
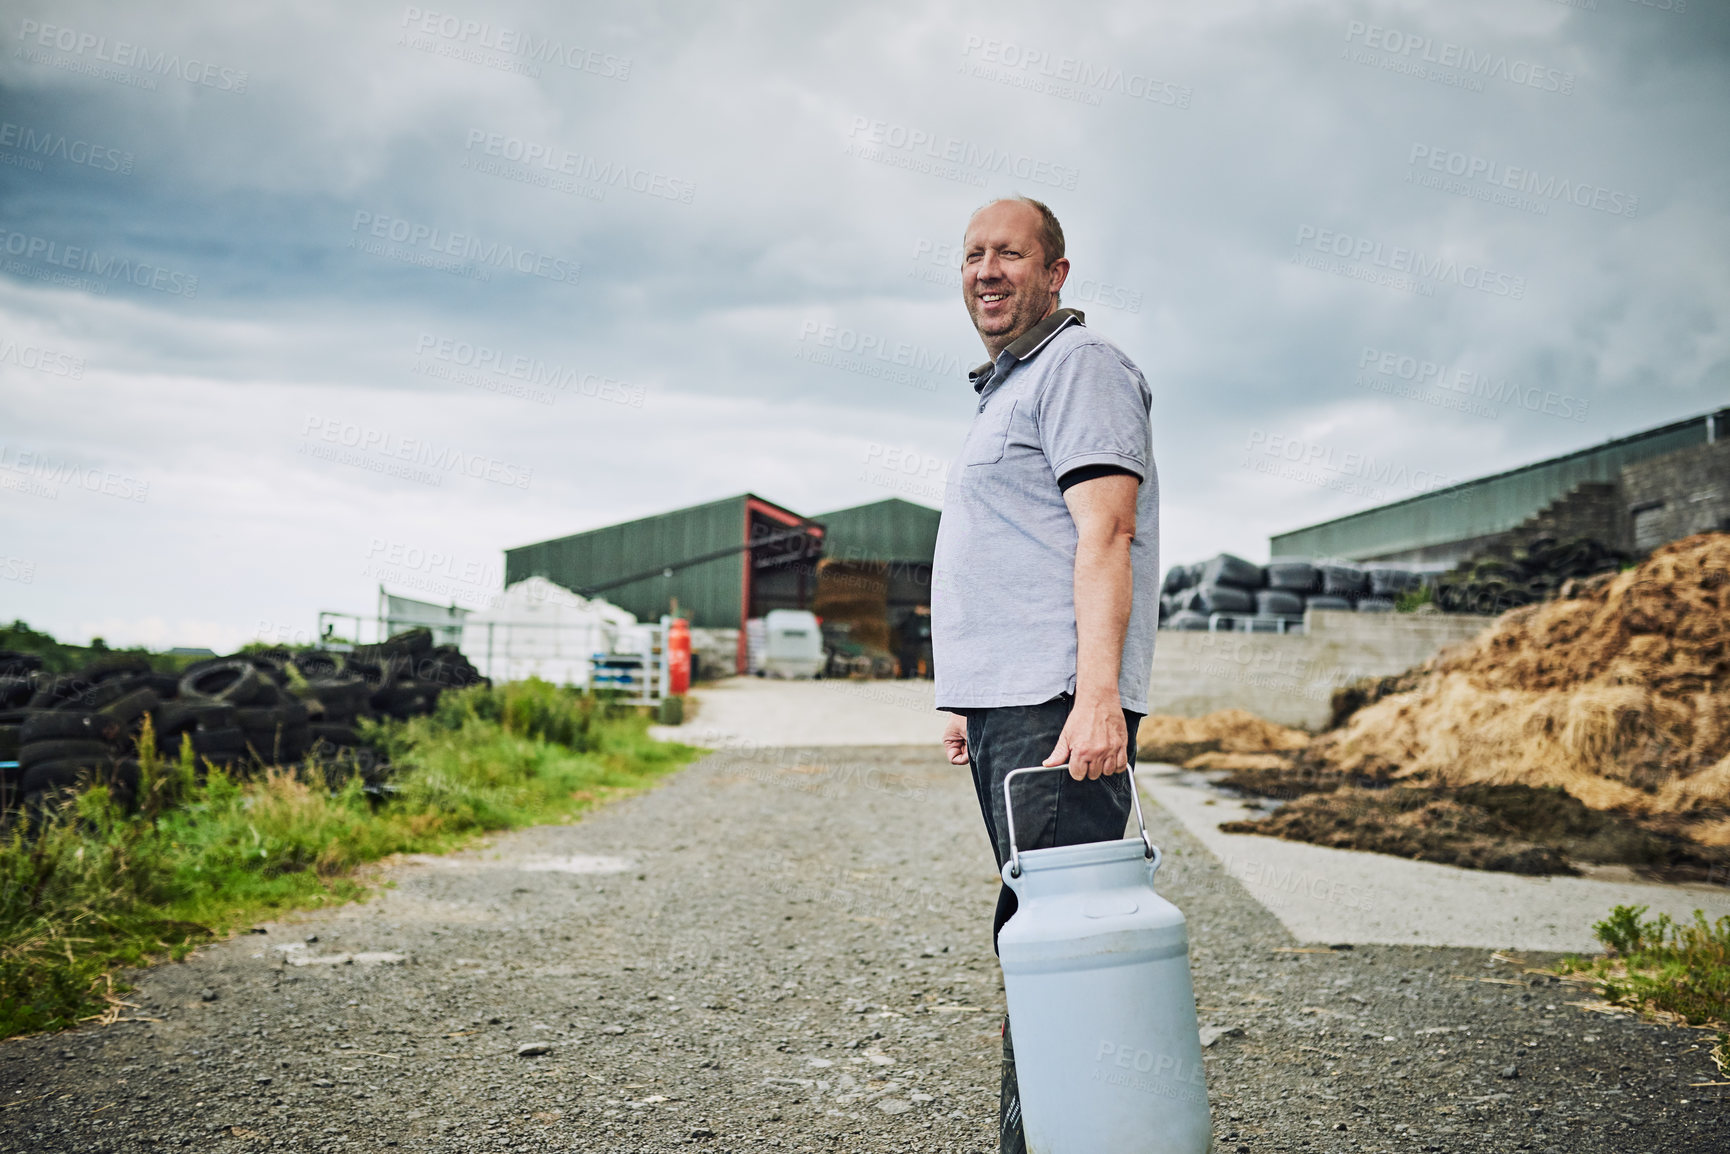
(216, 743)
(340, 735)
(318, 664)
(180, 716)
(55, 724)
(114, 720)
(166, 685)
(15, 689)
(274, 672)
(406, 701)
(101, 695)
(1375, 605)
(414, 642)
(13, 662)
(10, 741)
(1327, 601)
(64, 749)
(55, 777)
(51, 691)
(290, 713)
(337, 693)
(235, 682)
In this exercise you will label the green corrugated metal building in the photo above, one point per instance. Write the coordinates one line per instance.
(893, 530)
(736, 558)
(737, 580)
(1440, 528)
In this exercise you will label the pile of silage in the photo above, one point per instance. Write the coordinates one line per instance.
(1226, 739)
(1617, 694)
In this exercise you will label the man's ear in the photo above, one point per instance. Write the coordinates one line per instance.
(1058, 271)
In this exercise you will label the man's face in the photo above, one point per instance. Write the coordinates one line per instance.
(1004, 279)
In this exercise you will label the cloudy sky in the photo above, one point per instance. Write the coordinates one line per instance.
(299, 298)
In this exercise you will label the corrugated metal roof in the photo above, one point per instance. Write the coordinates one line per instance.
(889, 530)
(1488, 504)
(708, 593)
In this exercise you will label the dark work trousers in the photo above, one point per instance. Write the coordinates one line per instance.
(1051, 809)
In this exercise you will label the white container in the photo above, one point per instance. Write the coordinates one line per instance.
(792, 643)
(1096, 971)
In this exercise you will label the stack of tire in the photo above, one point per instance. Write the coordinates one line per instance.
(401, 677)
(1502, 580)
(61, 732)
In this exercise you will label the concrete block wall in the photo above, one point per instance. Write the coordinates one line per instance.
(1290, 678)
(1677, 495)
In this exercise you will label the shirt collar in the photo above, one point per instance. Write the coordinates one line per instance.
(1028, 344)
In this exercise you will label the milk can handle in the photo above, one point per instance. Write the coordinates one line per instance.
(1009, 813)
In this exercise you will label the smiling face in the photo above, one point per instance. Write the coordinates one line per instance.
(1006, 284)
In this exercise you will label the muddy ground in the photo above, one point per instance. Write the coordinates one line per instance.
(794, 954)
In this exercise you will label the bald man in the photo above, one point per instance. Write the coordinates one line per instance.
(1045, 587)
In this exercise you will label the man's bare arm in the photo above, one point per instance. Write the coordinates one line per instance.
(1095, 740)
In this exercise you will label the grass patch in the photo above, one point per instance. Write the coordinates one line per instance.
(1666, 967)
(93, 888)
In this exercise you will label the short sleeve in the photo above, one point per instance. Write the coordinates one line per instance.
(1094, 410)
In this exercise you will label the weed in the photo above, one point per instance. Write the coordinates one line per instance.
(1680, 968)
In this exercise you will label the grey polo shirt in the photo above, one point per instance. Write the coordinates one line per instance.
(1003, 582)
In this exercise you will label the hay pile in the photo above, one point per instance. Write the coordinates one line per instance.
(1617, 694)
(1228, 739)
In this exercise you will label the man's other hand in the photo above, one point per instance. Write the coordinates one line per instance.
(1094, 741)
(955, 739)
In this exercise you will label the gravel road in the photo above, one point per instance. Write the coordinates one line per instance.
(789, 949)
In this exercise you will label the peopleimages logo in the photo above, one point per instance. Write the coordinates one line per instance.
(1468, 383)
(538, 162)
(1410, 52)
(1296, 459)
(1067, 77)
(433, 242)
(59, 146)
(1408, 261)
(534, 373)
(873, 355)
(80, 259)
(459, 33)
(50, 471)
(43, 360)
(1486, 179)
(382, 451)
(920, 150)
(90, 47)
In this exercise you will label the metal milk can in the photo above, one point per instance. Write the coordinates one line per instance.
(1096, 971)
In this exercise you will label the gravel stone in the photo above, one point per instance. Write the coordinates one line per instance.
(777, 979)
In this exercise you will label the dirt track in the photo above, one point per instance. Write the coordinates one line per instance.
(798, 957)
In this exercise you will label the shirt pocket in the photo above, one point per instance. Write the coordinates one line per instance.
(989, 435)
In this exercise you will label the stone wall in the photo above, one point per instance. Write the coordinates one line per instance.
(1290, 678)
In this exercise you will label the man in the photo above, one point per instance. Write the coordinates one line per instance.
(1045, 592)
